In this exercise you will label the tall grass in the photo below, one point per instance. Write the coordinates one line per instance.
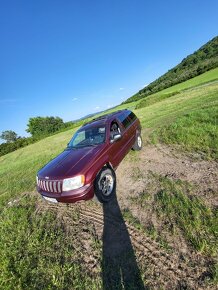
(167, 111)
(37, 252)
(198, 223)
(196, 131)
(150, 100)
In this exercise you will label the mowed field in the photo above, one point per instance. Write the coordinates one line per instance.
(160, 232)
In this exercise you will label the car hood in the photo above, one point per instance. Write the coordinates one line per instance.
(69, 163)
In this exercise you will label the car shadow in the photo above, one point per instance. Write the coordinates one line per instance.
(119, 266)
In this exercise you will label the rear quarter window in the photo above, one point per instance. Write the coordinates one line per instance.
(132, 116)
(125, 120)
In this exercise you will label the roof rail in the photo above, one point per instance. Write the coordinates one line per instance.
(103, 116)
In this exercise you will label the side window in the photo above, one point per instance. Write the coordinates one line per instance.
(132, 116)
(80, 137)
(125, 120)
(114, 129)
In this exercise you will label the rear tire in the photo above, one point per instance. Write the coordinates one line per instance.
(105, 185)
(138, 143)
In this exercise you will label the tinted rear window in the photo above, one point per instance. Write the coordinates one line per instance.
(132, 116)
(125, 119)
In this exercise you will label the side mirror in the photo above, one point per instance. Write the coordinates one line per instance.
(115, 138)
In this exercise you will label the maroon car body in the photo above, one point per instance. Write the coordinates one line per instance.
(87, 161)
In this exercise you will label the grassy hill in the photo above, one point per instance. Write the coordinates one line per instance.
(201, 80)
(204, 59)
(57, 247)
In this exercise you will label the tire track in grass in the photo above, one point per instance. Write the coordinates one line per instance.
(148, 249)
(164, 269)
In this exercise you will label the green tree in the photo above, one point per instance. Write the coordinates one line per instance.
(42, 126)
(9, 136)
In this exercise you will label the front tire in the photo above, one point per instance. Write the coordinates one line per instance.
(138, 143)
(105, 185)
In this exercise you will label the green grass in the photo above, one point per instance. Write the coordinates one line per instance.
(166, 111)
(187, 212)
(195, 132)
(150, 100)
(37, 252)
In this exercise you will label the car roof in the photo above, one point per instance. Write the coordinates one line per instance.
(102, 120)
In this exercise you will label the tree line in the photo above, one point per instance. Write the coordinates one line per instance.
(38, 127)
(202, 60)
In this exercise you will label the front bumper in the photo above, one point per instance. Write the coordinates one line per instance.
(84, 193)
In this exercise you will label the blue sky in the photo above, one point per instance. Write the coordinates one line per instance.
(74, 57)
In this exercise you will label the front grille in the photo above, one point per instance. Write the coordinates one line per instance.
(50, 185)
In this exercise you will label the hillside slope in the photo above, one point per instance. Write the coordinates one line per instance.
(161, 229)
(204, 59)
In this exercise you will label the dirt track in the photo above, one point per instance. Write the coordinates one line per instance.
(167, 161)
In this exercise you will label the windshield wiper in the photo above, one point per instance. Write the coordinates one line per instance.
(85, 145)
(81, 146)
(70, 147)
(91, 144)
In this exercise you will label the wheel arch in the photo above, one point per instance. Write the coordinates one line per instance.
(109, 165)
(106, 165)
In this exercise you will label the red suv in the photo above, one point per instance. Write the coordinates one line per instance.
(87, 166)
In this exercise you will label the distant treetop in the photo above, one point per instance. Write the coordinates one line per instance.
(43, 126)
(9, 136)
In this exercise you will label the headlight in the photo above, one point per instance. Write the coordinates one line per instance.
(73, 183)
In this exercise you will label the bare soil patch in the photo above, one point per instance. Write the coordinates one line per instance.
(133, 175)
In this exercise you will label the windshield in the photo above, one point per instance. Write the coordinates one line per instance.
(88, 137)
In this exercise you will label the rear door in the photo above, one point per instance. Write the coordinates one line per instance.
(120, 148)
(116, 149)
(132, 128)
(129, 129)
